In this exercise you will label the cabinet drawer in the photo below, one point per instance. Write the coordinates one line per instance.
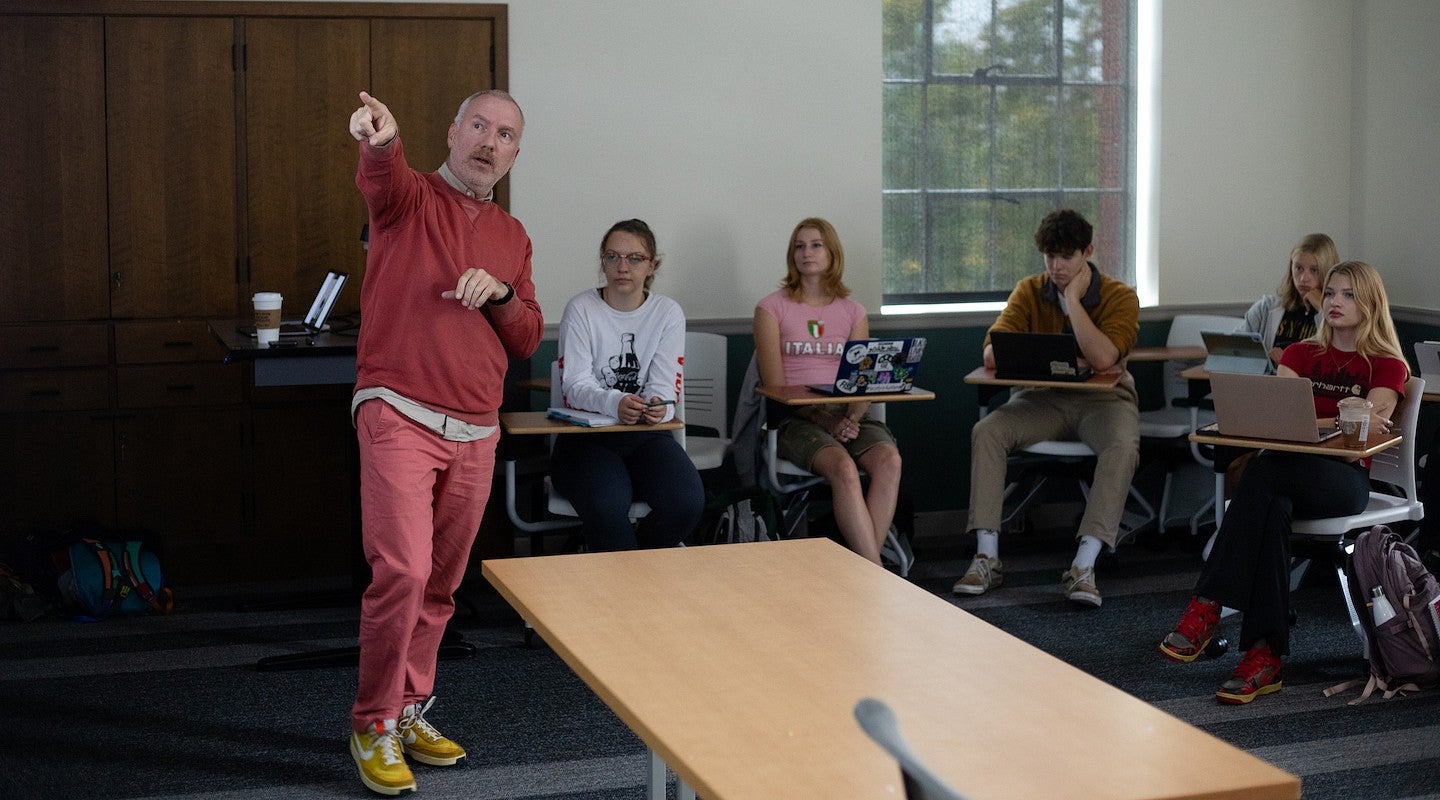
(39, 346)
(166, 342)
(179, 385)
(55, 390)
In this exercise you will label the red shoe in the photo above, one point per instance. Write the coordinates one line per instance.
(1257, 673)
(1193, 633)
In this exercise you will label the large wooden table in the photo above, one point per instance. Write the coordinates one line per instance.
(740, 666)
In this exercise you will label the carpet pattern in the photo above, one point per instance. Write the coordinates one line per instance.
(172, 708)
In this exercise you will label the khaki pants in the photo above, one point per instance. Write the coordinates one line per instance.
(1106, 421)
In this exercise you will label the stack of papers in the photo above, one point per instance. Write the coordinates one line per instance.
(589, 419)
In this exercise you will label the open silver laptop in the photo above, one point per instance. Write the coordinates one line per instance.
(1266, 407)
(1235, 352)
(1427, 356)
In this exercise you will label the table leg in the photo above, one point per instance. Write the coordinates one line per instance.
(655, 780)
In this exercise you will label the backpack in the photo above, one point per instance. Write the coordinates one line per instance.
(1405, 650)
(742, 514)
(107, 579)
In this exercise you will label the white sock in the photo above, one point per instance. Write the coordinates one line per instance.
(1087, 552)
(987, 543)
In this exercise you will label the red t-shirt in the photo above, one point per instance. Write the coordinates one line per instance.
(1338, 374)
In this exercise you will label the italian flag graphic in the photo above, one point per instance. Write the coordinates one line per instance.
(817, 328)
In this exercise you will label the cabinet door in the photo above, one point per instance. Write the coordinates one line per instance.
(171, 90)
(426, 67)
(305, 485)
(55, 469)
(180, 473)
(52, 206)
(303, 80)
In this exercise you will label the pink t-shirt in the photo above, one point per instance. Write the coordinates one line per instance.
(811, 339)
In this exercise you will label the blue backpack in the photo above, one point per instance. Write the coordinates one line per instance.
(108, 579)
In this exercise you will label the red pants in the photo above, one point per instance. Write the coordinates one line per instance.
(421, 500)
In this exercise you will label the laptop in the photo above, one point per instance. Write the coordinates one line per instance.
(1037, 357)
(875, 366)
(315, 319)
(1266, 407)
(1236, 352)
(1427, 356)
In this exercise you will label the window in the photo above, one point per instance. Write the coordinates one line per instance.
(997, 112)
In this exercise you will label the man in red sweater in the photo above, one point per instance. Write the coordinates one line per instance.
(447, 301)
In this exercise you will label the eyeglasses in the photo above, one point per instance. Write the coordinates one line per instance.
(610, 258)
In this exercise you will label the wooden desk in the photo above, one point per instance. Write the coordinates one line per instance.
(521, 423)
(804, 396)
(984, 376)
(1167, 354)
(740, 665)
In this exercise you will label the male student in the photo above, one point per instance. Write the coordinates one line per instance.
(447, 301)
(1070, 296)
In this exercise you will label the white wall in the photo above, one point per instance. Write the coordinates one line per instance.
(1396, 175)
(720, 124)
(1254, 142)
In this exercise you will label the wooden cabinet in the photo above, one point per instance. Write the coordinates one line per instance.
(172, 158)
(52, 209)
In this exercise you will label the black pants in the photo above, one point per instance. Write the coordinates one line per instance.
(602, 473)
(1249, 566)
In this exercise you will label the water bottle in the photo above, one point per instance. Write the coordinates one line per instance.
(1380, 608)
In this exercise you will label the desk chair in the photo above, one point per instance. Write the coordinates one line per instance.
(1175, 421)
(706, 392)
(556, 504)
(878, 722)
(1037, 463)
(1395, 466)
(794, 483)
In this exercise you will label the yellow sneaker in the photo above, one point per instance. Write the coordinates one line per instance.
(376, 751)
(422, 742)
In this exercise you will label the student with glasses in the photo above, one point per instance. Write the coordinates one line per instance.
(622, 351)
(800, 332)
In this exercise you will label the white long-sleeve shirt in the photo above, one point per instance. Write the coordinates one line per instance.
(605, 353)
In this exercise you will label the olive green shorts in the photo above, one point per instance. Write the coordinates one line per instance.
(800, 440)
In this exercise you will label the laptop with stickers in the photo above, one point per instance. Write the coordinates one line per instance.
(875, 366)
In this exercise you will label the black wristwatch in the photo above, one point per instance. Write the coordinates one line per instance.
(509, 293)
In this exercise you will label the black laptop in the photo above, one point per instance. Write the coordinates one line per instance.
(315, 319)
(1037, 357)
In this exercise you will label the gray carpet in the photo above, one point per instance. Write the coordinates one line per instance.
(172, 708)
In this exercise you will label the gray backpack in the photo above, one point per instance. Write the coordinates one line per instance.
(1405, 649)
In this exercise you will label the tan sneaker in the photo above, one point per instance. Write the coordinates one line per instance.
(985, 573)
(422, 742)
(376, 751)
(1079, 586)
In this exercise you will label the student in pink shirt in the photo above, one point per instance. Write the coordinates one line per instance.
(800, 331)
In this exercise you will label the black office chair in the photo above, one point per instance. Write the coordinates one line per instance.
(878, 722)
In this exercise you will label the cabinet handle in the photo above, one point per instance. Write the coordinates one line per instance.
(44, 348)
(177, 343)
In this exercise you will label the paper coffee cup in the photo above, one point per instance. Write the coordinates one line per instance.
(267, 317)
(1354, 417)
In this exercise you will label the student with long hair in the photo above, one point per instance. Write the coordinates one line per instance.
(1288, 316)
(800, 331)
(1354, 353)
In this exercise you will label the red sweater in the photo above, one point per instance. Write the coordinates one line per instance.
(423, 235)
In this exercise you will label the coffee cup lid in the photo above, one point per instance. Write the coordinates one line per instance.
(272, 297)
